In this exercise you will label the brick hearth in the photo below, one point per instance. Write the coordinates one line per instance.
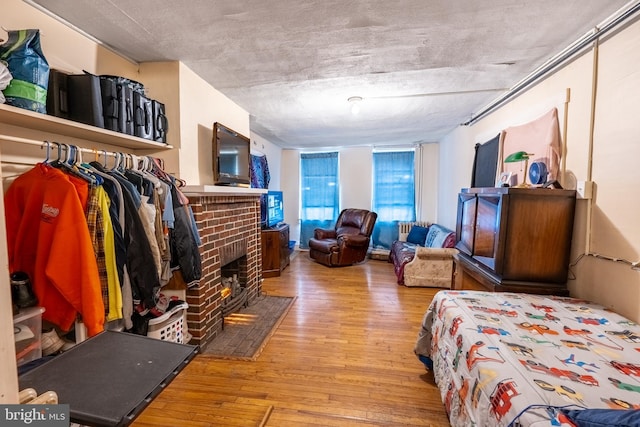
(227, 224)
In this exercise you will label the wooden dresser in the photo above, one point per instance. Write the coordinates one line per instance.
(275, 250)
(514, 239)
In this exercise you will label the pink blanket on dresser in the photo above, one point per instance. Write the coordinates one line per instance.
(500, 359)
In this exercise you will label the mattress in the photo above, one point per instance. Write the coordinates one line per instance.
(504, 359)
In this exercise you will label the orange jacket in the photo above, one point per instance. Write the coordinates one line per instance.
(48, 238)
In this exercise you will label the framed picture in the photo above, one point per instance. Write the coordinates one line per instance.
(505, 179)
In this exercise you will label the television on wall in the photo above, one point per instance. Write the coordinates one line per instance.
(231, 157)
(275, 209)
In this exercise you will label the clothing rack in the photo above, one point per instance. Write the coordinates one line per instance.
(46, 143)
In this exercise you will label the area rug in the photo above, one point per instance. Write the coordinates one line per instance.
(247, 331)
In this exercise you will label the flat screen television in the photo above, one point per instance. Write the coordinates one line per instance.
(231, 157)
(275, 209)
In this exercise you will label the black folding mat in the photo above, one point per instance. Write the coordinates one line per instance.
(109, 379)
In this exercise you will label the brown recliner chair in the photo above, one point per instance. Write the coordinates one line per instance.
(347, 244)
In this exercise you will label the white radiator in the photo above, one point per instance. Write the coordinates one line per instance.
(405, 227)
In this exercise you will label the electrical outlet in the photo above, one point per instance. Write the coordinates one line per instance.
(584, 189)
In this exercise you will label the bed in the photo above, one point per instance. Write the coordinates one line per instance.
(503, 359)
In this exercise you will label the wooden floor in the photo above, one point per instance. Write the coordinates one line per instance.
(343, 356)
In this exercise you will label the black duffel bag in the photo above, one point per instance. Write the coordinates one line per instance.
(142, 116)
(85, 99)
(160, 123)
(118, 103)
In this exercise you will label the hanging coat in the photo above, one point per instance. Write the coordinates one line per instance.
(48, 238)
(185, 253)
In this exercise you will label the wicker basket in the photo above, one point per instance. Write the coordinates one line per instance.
(170, 326)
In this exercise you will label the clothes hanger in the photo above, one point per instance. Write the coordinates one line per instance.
(71, 165)
(146, 173)
(104, 153)
(157, 169)
(134, 164)
(59, 153)
(145, 164)
(61, 162)
(85, 169)
(117, 166)
(47, 159)
(129, 166)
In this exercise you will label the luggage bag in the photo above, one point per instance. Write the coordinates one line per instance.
(85, 99)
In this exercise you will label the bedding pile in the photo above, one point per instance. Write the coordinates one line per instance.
(503, 359)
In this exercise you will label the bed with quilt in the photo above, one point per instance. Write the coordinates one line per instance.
(506, 359)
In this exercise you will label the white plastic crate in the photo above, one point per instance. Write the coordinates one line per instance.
(27, 330)
(170, 326)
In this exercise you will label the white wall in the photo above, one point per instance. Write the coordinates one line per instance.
(200, 107)
(615, 230)
(290, 185)
(427, 182)
(355, 177)
(455, 165)
(162, 82)
(608, 224)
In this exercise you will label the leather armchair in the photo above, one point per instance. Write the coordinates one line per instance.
(347, 243)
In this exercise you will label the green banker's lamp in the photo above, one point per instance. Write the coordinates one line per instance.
(520, 156)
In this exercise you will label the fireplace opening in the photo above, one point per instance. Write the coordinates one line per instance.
(234, 286)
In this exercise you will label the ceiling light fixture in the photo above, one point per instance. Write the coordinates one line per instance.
(355, 104)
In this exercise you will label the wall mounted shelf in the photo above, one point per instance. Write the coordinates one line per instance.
(14, 116)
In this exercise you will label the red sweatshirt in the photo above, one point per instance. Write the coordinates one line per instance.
(48, 238)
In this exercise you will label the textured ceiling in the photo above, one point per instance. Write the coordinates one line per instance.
(422, 67)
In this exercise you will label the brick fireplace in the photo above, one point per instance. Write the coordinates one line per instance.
(228, 220)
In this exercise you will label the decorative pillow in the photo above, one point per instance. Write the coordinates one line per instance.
(438, 236)
(417, 235)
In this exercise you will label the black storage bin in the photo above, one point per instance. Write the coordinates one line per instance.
(127, 103)
(160, 123)
(142, 116)
(57, 98)
(119, 111)
(111, 104)
(85, 99)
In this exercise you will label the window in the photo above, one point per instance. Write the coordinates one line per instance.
(319, 193)
(393, 194)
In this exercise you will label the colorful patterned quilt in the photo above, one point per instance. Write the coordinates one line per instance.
(504, 359)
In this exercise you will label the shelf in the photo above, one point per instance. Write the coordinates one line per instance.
(221, 190)
(28, 119)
